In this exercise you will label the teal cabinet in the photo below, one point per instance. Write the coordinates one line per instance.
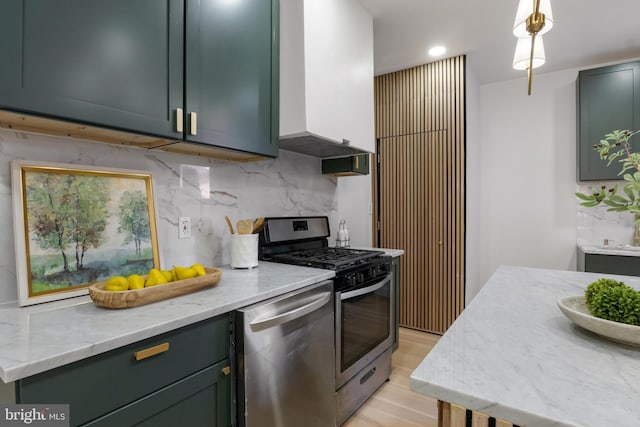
(156, 379)
(608, 99)
(232, 74)
(612, 264)
(112, 63)
(201, 71)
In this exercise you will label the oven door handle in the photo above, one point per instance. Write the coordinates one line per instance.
(363, 291)
(269, 322)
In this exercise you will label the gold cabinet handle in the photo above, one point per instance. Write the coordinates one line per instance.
(151, 351)
(179, 120)
(194, 123)
(226, 370)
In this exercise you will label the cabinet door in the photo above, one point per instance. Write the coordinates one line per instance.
(608, 99)
(115, 63)
(612, 264)
(232, 74)
(202, 399)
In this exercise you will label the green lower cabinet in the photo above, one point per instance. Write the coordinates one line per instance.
(612, 264)
(151, 382)
(202, 399)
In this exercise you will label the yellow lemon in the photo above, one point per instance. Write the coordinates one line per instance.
(199, 269)
(155, 278)
(168, 275)
(185, 273)
(136, 281)
(117, 283)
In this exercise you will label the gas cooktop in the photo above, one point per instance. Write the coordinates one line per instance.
(326, 257)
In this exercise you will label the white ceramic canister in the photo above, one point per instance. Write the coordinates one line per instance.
(244, 250)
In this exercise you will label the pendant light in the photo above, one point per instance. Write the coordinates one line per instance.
(523, 54)
(533, 18)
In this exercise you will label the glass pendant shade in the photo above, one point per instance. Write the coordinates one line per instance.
(523, 53)
(525, 8)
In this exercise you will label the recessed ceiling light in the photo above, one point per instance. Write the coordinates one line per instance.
(437, 50)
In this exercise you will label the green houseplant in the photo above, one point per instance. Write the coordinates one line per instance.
(617, 146)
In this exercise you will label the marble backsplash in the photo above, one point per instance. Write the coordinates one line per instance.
(594, 225)
(203, 189)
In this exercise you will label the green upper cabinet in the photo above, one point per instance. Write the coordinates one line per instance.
(201, 71)
(115, 63)
(608, 99)
(232, 74)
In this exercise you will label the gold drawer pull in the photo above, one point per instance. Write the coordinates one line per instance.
(151, 351)
(226, 370)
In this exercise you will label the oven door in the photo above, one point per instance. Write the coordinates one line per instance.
(363, 327)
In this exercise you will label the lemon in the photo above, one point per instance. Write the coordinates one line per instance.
(183, 273)
(168, 275)
(155, 278)
(117, 283)
(199, 269)
(136, 281)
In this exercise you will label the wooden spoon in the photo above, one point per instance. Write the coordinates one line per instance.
(257, 225)
(244, 226)
(226, 218)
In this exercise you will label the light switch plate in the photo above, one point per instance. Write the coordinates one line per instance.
(184, 227)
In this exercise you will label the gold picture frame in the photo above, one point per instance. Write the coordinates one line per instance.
(77, 225)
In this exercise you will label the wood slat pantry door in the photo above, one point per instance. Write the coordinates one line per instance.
(419, 188)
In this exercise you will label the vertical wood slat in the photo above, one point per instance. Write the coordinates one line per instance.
(479, 420)
(420, 123)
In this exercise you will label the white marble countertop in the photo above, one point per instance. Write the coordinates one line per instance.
(623, 250)
(38, 338)
(512, 354)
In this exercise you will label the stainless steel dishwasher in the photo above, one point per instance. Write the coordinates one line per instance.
(286, 360)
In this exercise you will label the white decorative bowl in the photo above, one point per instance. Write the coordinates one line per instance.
(575, 308)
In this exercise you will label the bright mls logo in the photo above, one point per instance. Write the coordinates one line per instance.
(34, 415)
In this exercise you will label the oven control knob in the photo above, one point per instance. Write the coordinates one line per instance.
(373, 272)
(352, 280)
(360, 278)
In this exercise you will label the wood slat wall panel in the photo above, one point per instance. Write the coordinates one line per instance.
(419, 185)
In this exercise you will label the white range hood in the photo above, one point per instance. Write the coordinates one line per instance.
(326, 78)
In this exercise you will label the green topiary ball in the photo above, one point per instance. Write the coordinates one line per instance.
(613, 300)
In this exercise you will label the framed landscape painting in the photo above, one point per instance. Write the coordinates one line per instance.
(75, 225)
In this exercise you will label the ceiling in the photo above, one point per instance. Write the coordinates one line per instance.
(585, 33)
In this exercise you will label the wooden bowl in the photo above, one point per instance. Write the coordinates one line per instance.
(138, 297)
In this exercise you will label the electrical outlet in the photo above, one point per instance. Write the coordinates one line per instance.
(184, 227)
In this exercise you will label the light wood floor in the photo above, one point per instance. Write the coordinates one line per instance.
(394, 404)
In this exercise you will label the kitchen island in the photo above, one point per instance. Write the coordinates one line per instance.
(514, 356)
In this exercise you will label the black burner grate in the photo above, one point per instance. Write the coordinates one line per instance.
(326, 257)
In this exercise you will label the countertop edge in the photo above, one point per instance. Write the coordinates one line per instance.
(492, 409)
(612, 250)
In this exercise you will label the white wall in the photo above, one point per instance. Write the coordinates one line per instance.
(473, 248)
(528, 169)
(354, 200)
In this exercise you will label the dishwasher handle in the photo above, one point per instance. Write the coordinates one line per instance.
(261, 324)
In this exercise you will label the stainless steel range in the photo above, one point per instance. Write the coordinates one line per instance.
(363, 302)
